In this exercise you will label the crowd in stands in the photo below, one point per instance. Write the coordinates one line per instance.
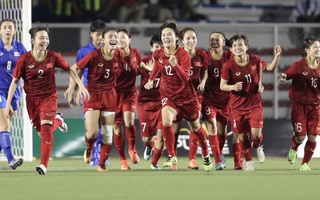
(116, 10)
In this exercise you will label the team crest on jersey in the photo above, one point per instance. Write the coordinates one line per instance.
(49, 65)
(49, 114)
(31, 66)
(238, 73)
(160, 61)
(254, 67)
(100, 64)
(197, 64)
(304, 73)
(16, 53)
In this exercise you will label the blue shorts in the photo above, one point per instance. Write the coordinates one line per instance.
(3, 101)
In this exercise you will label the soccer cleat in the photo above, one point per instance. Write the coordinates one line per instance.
(41, 169)
(147, 153)
(238, 166)
(223, 160)
(249, 166)
(15, 163)
(102, 168)
(63, 127)
(168, 162)
(134, 156)
(305, 167)
(87, 155)
(155, 167)
(260, 154)
(124, 165)
(207, 163)
(219, 166)
(192, 164)
(292, 155)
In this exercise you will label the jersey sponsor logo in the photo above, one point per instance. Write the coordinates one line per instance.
(49, 65)
(133, 106)
(1, 53)
(49, 114)
(261, 122)
(193, 116)
(16, 53)
(238, 73)
(304, 73)
(90, 109)
(48, 142)
(254, 67)
(100, 64)
(31, 66)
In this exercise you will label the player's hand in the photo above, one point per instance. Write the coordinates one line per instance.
(173, 60)
(260, 88)
(68, 94)
(147, 66)
(149, 85)
(238, 86)
(282, 77)
(277, 50)
(200, 88)
(8, 111)
(84, 93)
(78, 98)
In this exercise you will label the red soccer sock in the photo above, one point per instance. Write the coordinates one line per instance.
(156, 156)
(193, 146)
(46, 143)
(294, 143)
(169, 138)
(105, 150)
(236, 150)
(214, 144)
(256, 141)
(308, 151)
(89, 142)
(119, 144)
(131, 133)
(203, 143)
(222, 140)
(246, 149)
(56, 124)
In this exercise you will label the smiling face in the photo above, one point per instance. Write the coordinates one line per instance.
(190, 40)
(168, 37)
(123, 40)
(216, 41)
(314, 50)
(7, 30)
(40, 40)
(239, 47)
(110, 39)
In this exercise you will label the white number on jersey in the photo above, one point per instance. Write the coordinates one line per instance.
(168, 70)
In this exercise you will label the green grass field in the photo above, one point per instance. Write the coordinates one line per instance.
(72, 179)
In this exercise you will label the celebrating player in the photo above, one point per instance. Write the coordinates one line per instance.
(37, 69)
(304, 94)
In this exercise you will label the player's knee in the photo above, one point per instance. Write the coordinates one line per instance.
(106, 133)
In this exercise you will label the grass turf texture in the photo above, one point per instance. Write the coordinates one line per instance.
(73, 179)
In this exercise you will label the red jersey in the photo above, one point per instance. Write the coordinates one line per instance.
(102, 73)
(199, 64)
(39, 76)
(126, 81)
(212, 92)
(175, 83)
(149, 99)
(304, 87)
(242, 102)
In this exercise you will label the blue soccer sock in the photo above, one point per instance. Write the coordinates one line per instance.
(5, 143)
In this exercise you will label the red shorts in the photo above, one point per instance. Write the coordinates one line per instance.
(209, 112)
(126, 102)
(149, 122)
(102, 101)
(240, 123)
(42, 109)
(190, 112)
(305, 119)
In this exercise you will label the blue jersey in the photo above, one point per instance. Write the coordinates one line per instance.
(8, 61)
(83, 51)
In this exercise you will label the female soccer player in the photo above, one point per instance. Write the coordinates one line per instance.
(305, 96)
(104, 65)
(177, 92)
(198, 78)
(37, 69)
(127, 100)
(149, 105)
(10, 51)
